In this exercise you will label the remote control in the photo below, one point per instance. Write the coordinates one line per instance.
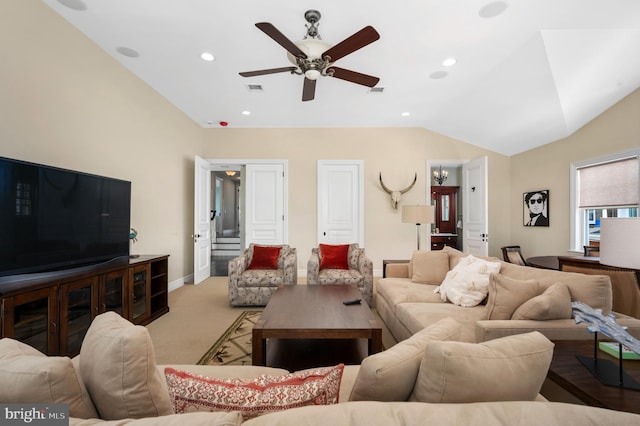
(352, 302)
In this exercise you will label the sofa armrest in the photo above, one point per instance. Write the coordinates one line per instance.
(562, 329)
(397, 270)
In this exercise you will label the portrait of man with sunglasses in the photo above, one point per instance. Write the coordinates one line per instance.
(536, 213)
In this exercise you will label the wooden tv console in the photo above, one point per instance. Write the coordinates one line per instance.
(53, 311)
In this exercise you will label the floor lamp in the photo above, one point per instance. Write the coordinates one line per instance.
(417, 215)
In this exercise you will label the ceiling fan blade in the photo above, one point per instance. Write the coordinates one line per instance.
(281, 39)
(269, 71)
(352, 76)
(308, 90)
(365, 36)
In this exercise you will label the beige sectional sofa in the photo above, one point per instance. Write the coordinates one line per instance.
(407, 302)
(429, 377)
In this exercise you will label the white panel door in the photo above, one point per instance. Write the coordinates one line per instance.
(202, 221)
(475, 229)
(340, 202)
(264, 192)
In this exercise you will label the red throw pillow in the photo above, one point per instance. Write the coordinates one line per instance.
(253, 397)
(264, 257)
(334, 256)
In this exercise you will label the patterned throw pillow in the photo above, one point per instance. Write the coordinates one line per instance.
(253, 397)
(334, 256)
(264, 257)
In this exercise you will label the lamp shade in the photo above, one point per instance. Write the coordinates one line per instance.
(417, 214)
(620, 242)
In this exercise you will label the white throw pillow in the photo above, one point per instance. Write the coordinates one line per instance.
(467, 284)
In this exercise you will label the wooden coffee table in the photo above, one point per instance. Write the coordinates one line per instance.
(306, 326)
(574, 377)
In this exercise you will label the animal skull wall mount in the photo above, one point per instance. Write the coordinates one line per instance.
(397, 195)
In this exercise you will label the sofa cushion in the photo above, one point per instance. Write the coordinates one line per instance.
(511, 368)
(262, 278)
(553, 303)
(117, 364)
(264, 257)
(429, 267)
(29, 376)
(507, 294)
(594, 290)
(253, 397)
(467, 283)
(390, 375)
(334, 256)
(416, 316)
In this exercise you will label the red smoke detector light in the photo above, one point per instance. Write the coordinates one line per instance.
(223, 123)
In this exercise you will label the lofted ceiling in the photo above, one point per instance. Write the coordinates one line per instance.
(527, 72)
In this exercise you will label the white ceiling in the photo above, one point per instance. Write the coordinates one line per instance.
(531, 75)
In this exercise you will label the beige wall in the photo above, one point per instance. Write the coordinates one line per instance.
(397, 153)
(64, 102)
(548, 167)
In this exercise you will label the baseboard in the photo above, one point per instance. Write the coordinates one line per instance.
(174, 285)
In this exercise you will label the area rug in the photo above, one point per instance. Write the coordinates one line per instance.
(234, 346)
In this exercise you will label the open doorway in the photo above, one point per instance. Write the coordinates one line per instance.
(443, 192)
(226, 226)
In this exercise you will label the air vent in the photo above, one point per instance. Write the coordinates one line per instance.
(254, 87)
(376, 90)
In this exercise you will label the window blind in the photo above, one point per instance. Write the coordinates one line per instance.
(613, 184)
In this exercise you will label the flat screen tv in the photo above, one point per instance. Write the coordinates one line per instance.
(53, 219)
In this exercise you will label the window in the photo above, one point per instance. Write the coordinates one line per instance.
(603, 187)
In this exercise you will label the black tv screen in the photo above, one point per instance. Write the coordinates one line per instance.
(53, 219)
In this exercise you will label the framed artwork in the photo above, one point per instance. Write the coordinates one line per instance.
(535, 210)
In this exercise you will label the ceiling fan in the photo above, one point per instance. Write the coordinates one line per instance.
(314, 58)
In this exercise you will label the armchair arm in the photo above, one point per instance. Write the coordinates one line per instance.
(237, 266)
(365, 267)
(313, 267)
(291, 268)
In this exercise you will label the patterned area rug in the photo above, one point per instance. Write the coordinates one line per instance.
(234, 347)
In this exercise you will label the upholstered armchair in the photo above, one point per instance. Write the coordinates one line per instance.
(253, 284)
(358, 270)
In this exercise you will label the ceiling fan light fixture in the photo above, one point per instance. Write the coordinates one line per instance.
(312, 74)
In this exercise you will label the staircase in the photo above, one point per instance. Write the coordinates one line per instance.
(226, 247)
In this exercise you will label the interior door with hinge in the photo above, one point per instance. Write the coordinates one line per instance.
(202, 221)
(475, 232)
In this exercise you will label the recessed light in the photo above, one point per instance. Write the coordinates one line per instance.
(493, 9)
(449, 62)
(438, 75)
(405, 114)
(246, 112)
(126, 51)
(74, 4)
(207, 56)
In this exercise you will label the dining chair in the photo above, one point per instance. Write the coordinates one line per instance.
(513, 254)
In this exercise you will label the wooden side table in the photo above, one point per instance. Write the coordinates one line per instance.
(569, 373)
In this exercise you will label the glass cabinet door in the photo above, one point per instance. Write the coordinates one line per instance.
(113, 292)
(29, 318)
(79, 305)
(139, 301)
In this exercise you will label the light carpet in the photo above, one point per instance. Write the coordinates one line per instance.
(234, 346)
